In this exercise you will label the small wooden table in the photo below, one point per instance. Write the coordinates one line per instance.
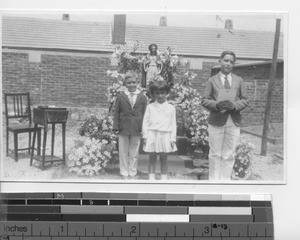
(44, 116)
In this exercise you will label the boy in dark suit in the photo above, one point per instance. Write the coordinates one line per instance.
(129, 111)
(225, 118)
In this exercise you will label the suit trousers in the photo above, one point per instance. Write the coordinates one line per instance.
(128, 154)
(222, 143)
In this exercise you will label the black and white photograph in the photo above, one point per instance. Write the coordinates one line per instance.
(144, 97)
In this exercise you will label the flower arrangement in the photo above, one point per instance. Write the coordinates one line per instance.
(243, 156)
(100, 128)
(191, 116)
(91, 158)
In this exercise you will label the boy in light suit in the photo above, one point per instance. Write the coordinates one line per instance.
(225, 118)
(129, 111)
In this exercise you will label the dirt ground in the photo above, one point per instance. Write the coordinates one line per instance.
(270, 168)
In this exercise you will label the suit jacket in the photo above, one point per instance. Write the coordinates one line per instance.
(217, 117)
(128, 120)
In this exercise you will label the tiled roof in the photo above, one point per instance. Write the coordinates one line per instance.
(55, 34)
(208, 42)
(95, 36)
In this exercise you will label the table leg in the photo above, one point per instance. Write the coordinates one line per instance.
(44, 147)
(64, 142)
(39, 142)
(52, 140)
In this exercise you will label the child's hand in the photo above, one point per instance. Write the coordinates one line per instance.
(173, 144)
(144, 141)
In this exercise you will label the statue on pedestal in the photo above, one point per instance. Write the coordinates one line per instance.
(152, 65)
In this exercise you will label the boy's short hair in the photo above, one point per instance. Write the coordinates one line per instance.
(130, 74)
(228, 53)
(159, 85)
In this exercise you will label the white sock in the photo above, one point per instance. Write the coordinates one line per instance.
(151, 176)
(164, 176)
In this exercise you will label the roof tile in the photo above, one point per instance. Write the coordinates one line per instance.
(96, 36)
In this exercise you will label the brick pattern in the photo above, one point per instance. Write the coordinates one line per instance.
(82, 81)
(256, 80)
(74, 81)
(20, 75)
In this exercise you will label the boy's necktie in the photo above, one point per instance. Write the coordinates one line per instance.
(131, 99)
(226, 83)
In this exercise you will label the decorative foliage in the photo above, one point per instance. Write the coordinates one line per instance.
(91, 158)
(243, 156)
(172, 65)
(198, 128)
(99, 128)
(128, 59)
(191, 116)
(116, 87)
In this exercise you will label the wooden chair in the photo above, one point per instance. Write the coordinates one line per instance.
(18, 120)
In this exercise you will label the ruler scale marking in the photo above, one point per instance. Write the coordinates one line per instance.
(205, 216)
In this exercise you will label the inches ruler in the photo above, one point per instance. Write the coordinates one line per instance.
(135, 216)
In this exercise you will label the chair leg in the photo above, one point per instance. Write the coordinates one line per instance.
(7, 142)
(53, 138)
(16, 146)
(64, 142)
(33, 143)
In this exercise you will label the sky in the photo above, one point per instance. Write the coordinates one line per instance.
(241, 21)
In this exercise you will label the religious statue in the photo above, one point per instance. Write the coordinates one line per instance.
(152, 65)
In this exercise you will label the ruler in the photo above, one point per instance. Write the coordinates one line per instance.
(135, 216)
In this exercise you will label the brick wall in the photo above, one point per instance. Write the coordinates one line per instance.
(76, 81)
(61, 80)
(256, 79)
(20, 75)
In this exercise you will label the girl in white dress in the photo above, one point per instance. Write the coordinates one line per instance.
(159, 129)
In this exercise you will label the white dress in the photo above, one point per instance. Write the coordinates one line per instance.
(159, 128)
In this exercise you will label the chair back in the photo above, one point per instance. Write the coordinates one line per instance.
(17, 106)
